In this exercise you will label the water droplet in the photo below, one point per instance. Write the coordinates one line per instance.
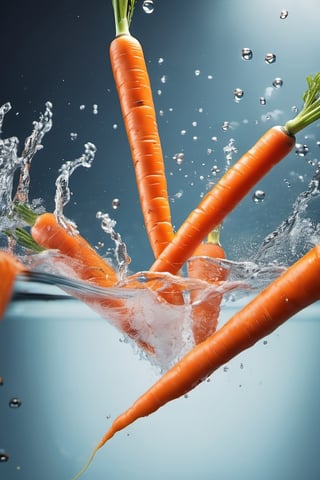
(160, 60)
(262, 100)
(225, 126)
(73, 136)
(148, 6)
(15, 403)
(195, 138)
(183, 132)
(301, 150)
(178, 158)
(270, 58)
(194, 124)
(214, 170)
(258, 196)
(115, 126)
(210, 77)
(238, 94)
(197, 72)
(246, 53)
(115, 203)
(164, 79)
(4, 457)
(95, 109)
(277, 82)
(214, 139)
(284, 14)
(82, 107)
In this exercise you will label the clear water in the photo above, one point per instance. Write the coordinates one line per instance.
(66, 372)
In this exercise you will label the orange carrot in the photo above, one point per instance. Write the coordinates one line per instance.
(272, 147)
(201, 265)
(86, 263)
(89, 266)
(10, 267)
(135, 95)
(295, 289)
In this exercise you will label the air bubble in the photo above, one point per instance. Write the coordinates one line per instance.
(197, 72)
(238, 94)
(73, 136)
(164, 79)
(270, 58)
(115, 203)
(178, 158)
(225, 126)
(82, 107)
(183, 132)
(258, 196)
(15, 403)
(4, 457)
(262, 100)
(95, 109)
(277, 82)
(284, 14)
(301, 150)
(246, 53)
(115, 126)
(160, 60)
(148, 6)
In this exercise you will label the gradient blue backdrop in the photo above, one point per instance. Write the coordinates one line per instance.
(66, 364)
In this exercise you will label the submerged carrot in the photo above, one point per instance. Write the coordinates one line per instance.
(201, 265)
(297, 288)
(272, 147)
(89, 266)
(10, 267)
(135, 95)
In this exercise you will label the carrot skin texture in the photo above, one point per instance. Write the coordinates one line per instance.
(293, 291)
(205, 315)
(135, 95)
(48, 233)
(10, 267)
(272, 147)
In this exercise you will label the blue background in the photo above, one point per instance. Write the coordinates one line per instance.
(256, 422)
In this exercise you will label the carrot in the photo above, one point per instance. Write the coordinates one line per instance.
(205, 313)
(136, 101)
(89, 266)
(272, 147)
(295, 289)
(10, 267)
(86, 263)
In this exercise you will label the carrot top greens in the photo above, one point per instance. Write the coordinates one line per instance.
(123, 11)
(311, 108)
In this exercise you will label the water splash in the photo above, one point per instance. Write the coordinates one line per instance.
(299, 232)
(122, 258)
(31, 147)
(63, 193)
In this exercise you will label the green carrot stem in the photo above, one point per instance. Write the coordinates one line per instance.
(123, 11)
(311, 109)
(25, 213)
(24, 239)
(214, 235)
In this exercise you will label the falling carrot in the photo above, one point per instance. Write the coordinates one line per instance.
(297, 288)
(270, 149)
(138, 111)
(10, 267)
(201, 265)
